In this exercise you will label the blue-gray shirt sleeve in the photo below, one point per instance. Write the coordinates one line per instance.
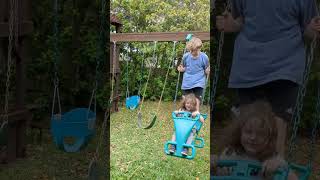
(236, 8)
(307, 10)
(206, 61)
(184, 57)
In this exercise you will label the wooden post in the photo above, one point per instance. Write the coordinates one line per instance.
(114, 63)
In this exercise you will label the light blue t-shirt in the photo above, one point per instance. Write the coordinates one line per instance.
(194, 75)
(270, 45)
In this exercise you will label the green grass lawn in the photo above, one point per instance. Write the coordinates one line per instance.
(44, 161)
(139, 154)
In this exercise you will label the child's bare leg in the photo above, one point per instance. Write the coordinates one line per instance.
(173, 137)
(190, 138)
(198, 105)
(282, 135)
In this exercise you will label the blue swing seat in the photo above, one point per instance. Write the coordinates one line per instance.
(183, 124)
(78, 123)
(242, 170)
(132, 102)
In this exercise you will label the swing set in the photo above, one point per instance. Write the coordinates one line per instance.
(245, 170)
(183, 124)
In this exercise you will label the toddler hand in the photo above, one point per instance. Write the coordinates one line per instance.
(201, 120)
(224, 22)
(181, 68)
(315, 24)
(208, 70)
(271, 165)
(194, 114)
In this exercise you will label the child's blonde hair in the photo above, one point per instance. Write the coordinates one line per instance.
(260, 112)
(194, 44)
(191, 98)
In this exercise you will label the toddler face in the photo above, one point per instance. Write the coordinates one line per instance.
(254, 139)
(195, 52)
(189, 105)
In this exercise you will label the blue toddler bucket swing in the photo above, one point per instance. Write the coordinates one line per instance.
(132, 102)
(78, 124)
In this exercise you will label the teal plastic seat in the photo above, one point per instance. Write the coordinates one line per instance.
(132, 102)
(245, 170)
(183, 124)
(78, 124)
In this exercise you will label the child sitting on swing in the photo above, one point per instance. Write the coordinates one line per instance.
(188, 104)
(253, 137)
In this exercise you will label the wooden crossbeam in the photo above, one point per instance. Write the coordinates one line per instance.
(157, 36)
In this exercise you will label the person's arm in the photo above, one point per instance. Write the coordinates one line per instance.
(227, 23)
(270, 165)
(181, 67)
(232, 22)
(309, 19)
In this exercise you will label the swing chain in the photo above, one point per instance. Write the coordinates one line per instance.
(102, 138)
(12, 19)
(141, 74)
(315, 128)
(218, 63)
(127, 69)
(56, 56)
(166, 78)
(113, 73)
(296, 117)
(145, 88)
(177, 84)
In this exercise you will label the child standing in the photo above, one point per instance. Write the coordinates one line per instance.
(188, 104)
(253, 137)
(195, 65)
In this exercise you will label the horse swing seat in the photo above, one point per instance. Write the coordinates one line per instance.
(248, 170)
(183, 124)
(78, 124)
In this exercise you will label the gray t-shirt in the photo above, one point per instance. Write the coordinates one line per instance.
(270, 45)
(194, 76)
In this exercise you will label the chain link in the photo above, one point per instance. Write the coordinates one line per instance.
(127, 69)
(177, 85)
(141, 73)
(56, 57)
(218, 63)
(113, 72)
(296, 117)
(315, 128)
(167, 74)
(11, 26)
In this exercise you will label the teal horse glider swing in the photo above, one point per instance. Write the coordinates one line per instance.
(183, 125)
